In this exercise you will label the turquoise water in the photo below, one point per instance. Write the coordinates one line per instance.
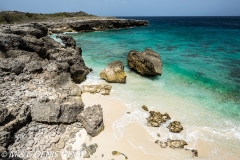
(200, 81)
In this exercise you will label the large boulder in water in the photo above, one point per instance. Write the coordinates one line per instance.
(114, 73)
(146, 63)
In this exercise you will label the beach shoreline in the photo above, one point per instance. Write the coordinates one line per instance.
(135, 141)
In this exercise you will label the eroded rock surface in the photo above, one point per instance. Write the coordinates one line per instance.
(103, 89)
(92, 120)
(114, 73)
(146, 63)
(37, 76)
(92, 25)
(156, 118)
(175, 127)
(176, 143)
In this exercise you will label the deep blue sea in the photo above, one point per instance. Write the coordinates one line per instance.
(200, 84)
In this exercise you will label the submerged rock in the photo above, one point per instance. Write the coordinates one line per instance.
(156, 118)
(146, 63)
(114, 73)
(175, 127)
(103, 89)
(92, 120)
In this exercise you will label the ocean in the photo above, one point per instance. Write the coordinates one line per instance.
(199, 86)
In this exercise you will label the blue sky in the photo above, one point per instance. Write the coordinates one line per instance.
(129, 7)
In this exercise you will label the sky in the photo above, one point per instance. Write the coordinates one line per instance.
(128, 7)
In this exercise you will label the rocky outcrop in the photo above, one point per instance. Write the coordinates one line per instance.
(175, 127)
(37, 76)
(146, 63)
(114, 73)
(92, 25)
(92, 120)
(103, 89)
(156, 118)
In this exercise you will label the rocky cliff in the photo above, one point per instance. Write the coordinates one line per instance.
(38, 79)
(92, 25)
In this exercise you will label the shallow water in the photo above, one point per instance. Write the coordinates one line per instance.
(200, 82)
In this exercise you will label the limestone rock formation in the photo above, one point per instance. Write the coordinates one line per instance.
(36, 75)
(103, 89)
(146, 63)
(156, 118)
(114, 73)
(92, 120)
(175, 127)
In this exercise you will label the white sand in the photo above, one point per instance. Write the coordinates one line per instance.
(133, 134)
(136, 143)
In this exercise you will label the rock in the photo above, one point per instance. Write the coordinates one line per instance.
(146, 63)
(56, 112)
(67, 40)
(4, 113)
(156, 118)
(92, 25)
(4, 138)
(176, 143)
(92, 120)
(114, 73)
(145, 108)
(71, 56)
(175, 127)
(33, 29)
(102, 89)
(33, 67)
(17, 67)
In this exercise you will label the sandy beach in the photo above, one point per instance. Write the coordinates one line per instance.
(136, 142)
(133, 133)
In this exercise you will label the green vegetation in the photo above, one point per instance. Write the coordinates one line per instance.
(23, 17)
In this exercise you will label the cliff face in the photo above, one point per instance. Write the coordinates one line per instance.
(92, 25)
(38, 76)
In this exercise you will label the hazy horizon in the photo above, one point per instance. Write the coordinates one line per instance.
(128, 8)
